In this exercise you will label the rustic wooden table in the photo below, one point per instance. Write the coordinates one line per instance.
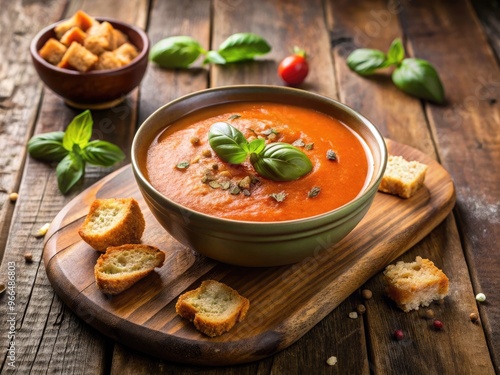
(461, 39)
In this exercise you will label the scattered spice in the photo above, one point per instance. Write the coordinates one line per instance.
(245, 182)
(279, 197)
(398, 335)
(28, 257)
(195, 140)
(206, 153)
(13, 197)
(353, 315)
(361, 309)
(332, 361)
(270, 131)
(225, 184)
(182, 165)
(214, 184)
(313, 192)
(234, 189)
(438, 325)
(474, 318)
(225, 174)
(246, 192)
(331, 155)
(298, 143)
(215, 167)
(196, 159)
(233, 117)
(42, 231)
(480, 297)
(366, 293)
(208, 176)
(309, 146)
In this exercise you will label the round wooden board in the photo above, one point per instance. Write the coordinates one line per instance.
(285, 302)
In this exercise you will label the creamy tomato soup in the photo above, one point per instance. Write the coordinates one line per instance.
(183, 167)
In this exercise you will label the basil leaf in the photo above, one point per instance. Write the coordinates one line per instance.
(214, 57)
(281, 162)
(47, 146)
(69, 171)
(256, 146)
(176, 52)
(78, 131)
(396, 52)
(243, 46)
(419, 78)
(227, 142)
(365, 61)
(102, 153)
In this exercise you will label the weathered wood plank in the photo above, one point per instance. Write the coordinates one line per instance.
(357, 24)
(467, 135)
(50, 338)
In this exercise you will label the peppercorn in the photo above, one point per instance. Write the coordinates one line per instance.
(438, 324)
(398, 335)
(474, 317)
(361, 309)
(28, 257)
(206, 153)
(194, 140)
(366, 293)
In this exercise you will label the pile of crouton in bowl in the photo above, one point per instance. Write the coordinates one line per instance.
(90, 62)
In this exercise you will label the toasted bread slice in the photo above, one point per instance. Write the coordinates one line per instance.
(415, 284)
(113, 222)
(402, 177)
(214, 307)
(122, 266)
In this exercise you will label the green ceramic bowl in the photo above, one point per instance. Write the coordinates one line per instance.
(248, 243)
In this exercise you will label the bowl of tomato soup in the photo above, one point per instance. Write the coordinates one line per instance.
(258, 175)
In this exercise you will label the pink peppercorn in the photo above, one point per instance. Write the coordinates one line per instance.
(398, 335)
(438, 324)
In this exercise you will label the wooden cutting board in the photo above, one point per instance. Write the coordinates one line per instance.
(285, 301)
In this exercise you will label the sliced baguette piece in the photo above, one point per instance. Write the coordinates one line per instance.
(402, 177)
(113, 222)
(415, 284)
(122, 266)
(214, 307)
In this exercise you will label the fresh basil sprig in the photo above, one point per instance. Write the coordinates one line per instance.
(276, 161)
(73, 149)
(416, 77)
(182, 51)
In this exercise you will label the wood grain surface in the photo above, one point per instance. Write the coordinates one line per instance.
(285, 301)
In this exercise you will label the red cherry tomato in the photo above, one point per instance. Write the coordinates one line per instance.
(293, 69)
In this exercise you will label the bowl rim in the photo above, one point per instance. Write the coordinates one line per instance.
(367, 190)
(95, 73)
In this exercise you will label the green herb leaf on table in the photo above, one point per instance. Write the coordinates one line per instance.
(47, 146)
(243, 46)
(78, 131)
(228, 142)
(281, 162)
(213, 57)
(102, 153)
(396, 52)
(69, 171)
(366, 61)
(176, 52)
(418, 77)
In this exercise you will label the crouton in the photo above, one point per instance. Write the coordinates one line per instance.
(100, 39)
(107, 60)
(113, 222)
(77, 57)
(52, 51)
(126, 53)
(75, 34)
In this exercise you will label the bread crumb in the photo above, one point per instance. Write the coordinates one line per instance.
(353, 315)
(332, 361)
(42, 231)
(415, 284)
(402, 177)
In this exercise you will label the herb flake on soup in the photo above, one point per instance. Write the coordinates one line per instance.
(182, 165)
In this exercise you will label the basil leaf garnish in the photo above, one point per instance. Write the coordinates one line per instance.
(419, 78)
(175, 52)
(365, 61)
(102, 153)
(396, 52)
(227, 142)
(255, 146)
(47, 146)
(281, 162)
(243, 46)
(69, 171)
(78, 131)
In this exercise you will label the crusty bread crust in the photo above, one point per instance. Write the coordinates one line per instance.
(415, 284)
(214, 307)
(124, 223)
(122, 266)
(402, 177)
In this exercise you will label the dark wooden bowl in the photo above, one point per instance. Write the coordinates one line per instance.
(94, 89)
